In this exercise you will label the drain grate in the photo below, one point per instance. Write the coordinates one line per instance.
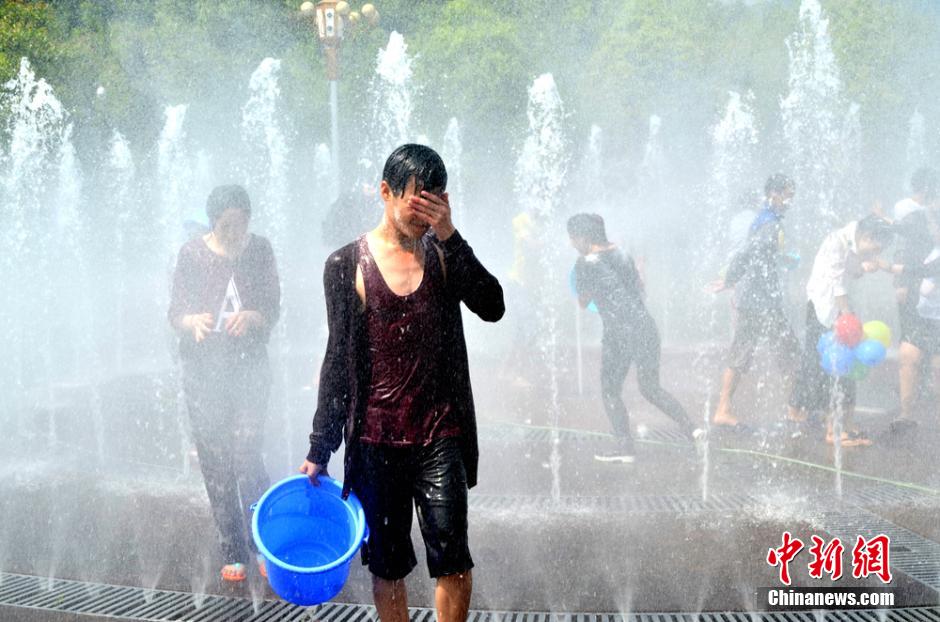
(142, 605)
(911, 553)
(635, 504)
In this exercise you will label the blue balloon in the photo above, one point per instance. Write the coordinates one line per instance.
(837, 360)
(825, 340)
(870, 352)
(573, 284)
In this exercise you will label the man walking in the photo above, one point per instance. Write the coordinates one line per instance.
(395, 382)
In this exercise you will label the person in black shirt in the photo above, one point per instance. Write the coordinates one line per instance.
(914, 245)
(754, 275)
(226, 300)
(609, 278)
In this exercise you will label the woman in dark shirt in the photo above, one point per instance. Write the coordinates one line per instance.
(609, 278)
(226, 298)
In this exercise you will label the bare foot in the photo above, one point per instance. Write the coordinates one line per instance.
(724, 419)
(850, 439)
(797, 415)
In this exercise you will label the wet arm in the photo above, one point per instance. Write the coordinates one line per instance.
(183, 290)
(333, 394)
(270, 299)
(474, 285)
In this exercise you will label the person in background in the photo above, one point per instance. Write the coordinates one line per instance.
(846, 254)
(754, 275)
(914, 244)
(225, 301)
(608, 278)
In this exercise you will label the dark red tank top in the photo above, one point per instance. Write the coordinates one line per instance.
(408, 403)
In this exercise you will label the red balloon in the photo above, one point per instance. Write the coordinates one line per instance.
(848, 330)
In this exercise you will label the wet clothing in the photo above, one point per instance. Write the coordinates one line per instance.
(347, 368)
(200, 283)
(927, 335)
(914, 244)
(226, 402)
(395, 379)
(611, 280)
(755, 271)
(755, 275)
(814, 389)
(752, 328)
(433, 479)
(226, 380)
(407, 403)
(906, 207)
(836, 262)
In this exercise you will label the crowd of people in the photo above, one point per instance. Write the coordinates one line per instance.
(394, 385)
(606, 277)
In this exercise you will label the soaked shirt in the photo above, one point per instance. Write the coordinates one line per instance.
(204, 282)
(755, 271)
(611, 280)
(406, 402)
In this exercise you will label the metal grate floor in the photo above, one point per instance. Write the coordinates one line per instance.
(138, 604)
(910, 553)
(636, 504)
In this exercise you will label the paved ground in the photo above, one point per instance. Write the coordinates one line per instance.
(683, 529)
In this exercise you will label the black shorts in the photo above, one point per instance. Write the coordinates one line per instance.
(432, 478)
(925, 336)
(771, 325)
(911, 324)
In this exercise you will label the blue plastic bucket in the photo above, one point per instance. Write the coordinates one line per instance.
(308, 536)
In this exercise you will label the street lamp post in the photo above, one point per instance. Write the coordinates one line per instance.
(331, 17)
(330, 26)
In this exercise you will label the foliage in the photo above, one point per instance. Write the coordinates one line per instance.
(616, 61)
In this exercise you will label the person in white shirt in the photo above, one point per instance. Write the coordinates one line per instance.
(846, 253)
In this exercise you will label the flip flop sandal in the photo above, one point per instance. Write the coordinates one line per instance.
(234, 572)
(855, 438)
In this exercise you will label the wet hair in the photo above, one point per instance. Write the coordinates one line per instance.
(924, 181)
(778, 182)
(589, 227)
(418, 161)
(876, 228)
(224, 197)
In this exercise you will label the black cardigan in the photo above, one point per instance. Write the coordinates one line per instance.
(345, 374)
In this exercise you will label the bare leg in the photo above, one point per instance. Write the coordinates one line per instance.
(909, 358)
(452, 597)
(729, 383)
(391, 599)
(796, 414)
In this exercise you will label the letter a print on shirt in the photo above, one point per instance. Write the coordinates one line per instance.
(230, 306)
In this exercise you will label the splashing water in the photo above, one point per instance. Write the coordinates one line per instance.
(811, 126)
(540, 173)
(452, 153)
(392, 90)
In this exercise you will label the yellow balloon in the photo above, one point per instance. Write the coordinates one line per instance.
(878, 331)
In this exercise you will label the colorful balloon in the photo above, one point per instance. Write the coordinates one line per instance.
(837, 360)
(825, 340)
(878, 331)
(859, 371)
(870, 352)
(848, 330)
